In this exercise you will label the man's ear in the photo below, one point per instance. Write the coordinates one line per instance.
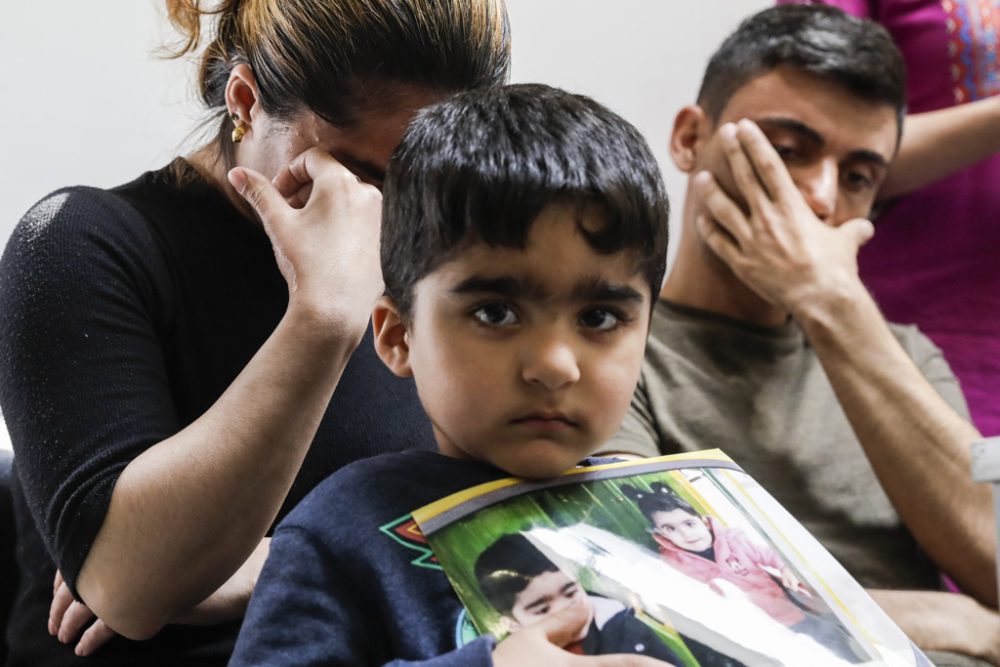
(692, 127)
(391, 341)
(242, 96)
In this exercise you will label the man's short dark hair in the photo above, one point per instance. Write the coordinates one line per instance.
(481, 165)
(857, 54)
(506, 567)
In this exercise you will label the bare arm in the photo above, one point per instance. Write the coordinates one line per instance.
(938, 143)
(190, 510)
(938, 621)
(917, 445)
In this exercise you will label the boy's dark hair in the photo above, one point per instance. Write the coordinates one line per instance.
(506, 567)
(660, 499)
(481, 166)
(857, 54)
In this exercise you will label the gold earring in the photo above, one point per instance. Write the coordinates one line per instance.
(239, 131)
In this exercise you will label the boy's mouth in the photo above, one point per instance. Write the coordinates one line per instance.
(548, 420)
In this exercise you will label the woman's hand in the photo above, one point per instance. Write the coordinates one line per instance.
(324, 226)
(541, 644)
(67, 617)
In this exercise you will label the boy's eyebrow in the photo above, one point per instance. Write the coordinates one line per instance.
(542, 601)
(812, 136)
(594, 288)
(598, 289)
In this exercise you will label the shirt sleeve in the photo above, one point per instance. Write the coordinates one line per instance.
(84, 386)
(860, 8)
(638, 434)
(311, 608)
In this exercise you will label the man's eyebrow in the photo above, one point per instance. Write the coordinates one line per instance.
(792, 125)
(815, 138)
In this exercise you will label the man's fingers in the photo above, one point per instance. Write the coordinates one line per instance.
(76, 616)
(96, 636)
(61, 600)
(718, 239)
(721, 208)
(766, 163)
(860, 229)
(750, 186)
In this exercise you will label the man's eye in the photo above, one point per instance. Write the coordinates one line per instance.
(495, 314)
(857, 181)
(784, 152)
(601, 319)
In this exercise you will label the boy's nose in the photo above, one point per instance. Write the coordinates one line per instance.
(551, 364)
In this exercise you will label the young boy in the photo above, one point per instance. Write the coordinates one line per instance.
(524, 232)
(525, 586)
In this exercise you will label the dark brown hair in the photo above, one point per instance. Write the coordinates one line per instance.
(338, 57)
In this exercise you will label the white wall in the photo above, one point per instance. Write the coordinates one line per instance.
(85, 100)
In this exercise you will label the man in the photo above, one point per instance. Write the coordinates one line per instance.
(766, 344)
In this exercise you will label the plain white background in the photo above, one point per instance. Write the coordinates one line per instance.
(87, 100)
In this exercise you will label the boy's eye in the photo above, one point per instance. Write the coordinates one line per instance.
(496, 315)
(601, 319)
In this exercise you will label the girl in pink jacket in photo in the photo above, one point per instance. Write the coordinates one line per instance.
(704, 549)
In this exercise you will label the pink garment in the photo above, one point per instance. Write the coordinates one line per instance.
(935, 258)
(737, 560)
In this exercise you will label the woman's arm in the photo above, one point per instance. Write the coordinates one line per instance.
(188, 511)
(938, 143)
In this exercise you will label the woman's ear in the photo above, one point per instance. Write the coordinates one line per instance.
(691, 128)
(242, 96)
(390, 333)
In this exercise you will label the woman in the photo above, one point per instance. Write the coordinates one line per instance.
(170, 347)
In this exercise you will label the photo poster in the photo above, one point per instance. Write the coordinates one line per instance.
(685, 552)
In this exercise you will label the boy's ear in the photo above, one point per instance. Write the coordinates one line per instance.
(692, 127)
(390, 333)
(508, 624)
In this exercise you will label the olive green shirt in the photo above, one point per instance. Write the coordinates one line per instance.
(761, 395)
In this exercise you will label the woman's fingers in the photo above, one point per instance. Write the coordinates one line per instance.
(76, 617)
(259, 192)
(61, 600)
(96, 636)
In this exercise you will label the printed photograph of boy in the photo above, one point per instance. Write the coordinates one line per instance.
(702, 547)
(524, 586)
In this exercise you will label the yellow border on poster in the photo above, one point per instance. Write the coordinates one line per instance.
(428, 512)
